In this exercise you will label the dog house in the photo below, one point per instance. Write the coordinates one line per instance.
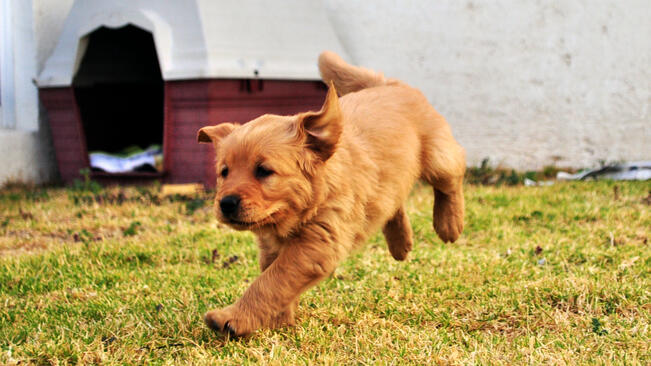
(147, 74)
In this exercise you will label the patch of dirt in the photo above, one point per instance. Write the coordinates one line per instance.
(23, 248)
(647, 200)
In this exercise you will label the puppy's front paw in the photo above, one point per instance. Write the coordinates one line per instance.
(230, 320)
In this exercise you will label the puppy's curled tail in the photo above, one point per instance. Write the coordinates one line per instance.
(347, 78)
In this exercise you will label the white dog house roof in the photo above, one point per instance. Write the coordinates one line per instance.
(197, 39)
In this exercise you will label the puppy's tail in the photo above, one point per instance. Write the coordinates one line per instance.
(347, 78)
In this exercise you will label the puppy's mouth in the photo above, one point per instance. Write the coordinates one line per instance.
(247, 225)
(241, 223)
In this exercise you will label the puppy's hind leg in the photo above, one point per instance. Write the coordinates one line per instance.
(448, 212)
(443, 167)
(398, 233)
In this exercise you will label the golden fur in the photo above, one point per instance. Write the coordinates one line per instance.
(315, 185)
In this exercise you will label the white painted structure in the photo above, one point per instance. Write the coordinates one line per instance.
(25, 151)
(524, 83)
(205, 38)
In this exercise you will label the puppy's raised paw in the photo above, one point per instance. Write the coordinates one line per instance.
(229, 320)
(448, 215)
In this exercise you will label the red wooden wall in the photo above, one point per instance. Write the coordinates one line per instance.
(189, 105)
(67, 131)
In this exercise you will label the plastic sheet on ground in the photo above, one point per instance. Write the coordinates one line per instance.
(136, 160)
(639, 170)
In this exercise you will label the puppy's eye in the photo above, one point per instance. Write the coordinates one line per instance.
(262, 172)
(224, 172)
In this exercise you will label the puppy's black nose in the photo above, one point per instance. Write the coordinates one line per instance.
(230, 205)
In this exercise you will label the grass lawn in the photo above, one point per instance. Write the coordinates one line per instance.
(557, 274)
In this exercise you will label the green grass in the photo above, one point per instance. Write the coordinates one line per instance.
(555, 275)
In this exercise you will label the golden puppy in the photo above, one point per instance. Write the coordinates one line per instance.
(315, 185)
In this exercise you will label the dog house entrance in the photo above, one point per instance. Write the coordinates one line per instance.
(119, 91)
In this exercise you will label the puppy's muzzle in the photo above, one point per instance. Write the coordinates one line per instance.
(230, 206)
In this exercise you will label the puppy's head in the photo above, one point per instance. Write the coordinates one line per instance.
(268, 169)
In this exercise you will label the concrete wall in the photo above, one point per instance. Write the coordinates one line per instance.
(27, 156)
(25, 149)
(525, 83)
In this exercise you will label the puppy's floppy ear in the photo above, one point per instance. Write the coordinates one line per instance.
(322, 129)
(213, 134)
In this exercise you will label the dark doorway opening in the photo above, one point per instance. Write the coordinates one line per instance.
(119, 91)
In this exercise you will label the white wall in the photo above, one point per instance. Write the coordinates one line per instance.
(17, 67)
(525, 83)
(26, 157)
(25, 148)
